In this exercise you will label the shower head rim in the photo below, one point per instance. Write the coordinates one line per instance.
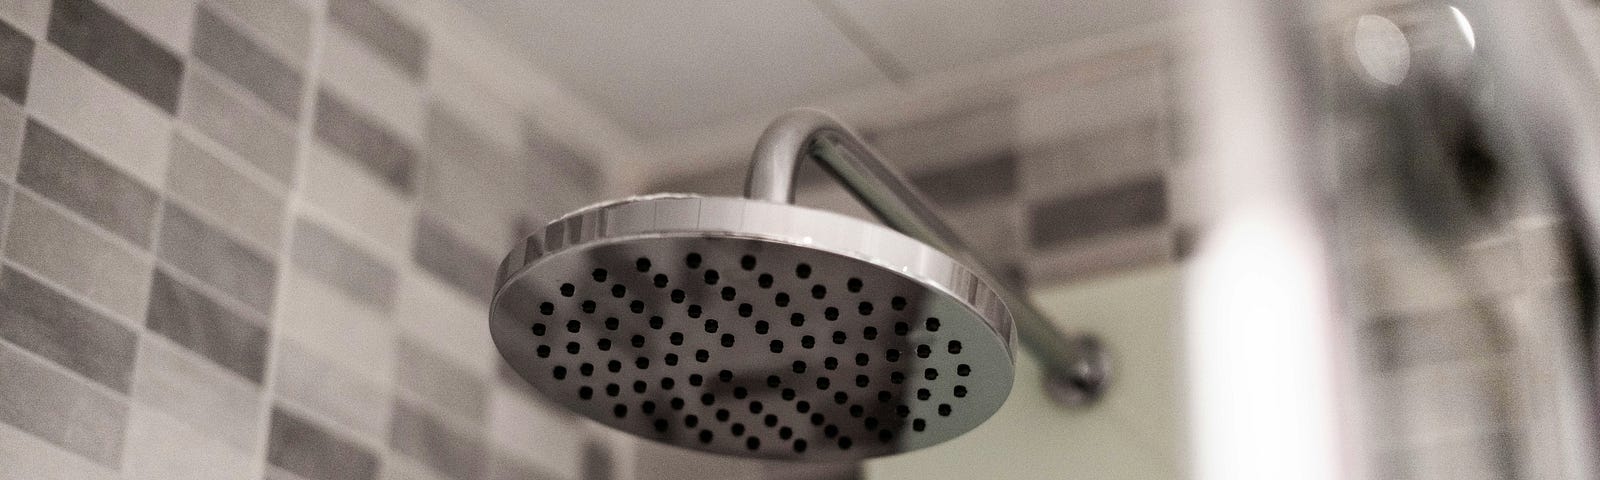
(605, 223)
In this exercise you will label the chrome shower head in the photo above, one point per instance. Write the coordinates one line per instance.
(752, 328)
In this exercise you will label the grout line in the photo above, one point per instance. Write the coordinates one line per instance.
(858, 36)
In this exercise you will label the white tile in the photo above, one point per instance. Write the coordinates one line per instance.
(63, 247)
(361, 77)
(26, 457)
(105, 118)
(333, 326)
(358, 198)
(454, 88)
(545, 435)
(236, 202)
(160, 447)
(337, 392)
(29, 16)
(455, 324)
(1045, 117)
(168, 22)
(209, 398)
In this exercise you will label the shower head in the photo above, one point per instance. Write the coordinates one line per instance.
(753, 328)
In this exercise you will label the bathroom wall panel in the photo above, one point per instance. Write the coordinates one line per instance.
(230, 230)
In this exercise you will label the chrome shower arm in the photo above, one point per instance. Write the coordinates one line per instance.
(1076, 365)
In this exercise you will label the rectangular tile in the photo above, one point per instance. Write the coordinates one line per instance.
(167, 22)
(361, 139)
(438, 249)
(348, 192)
(1433, 337)
(1095, 158)
(1132, 205)
(284, 27)
(245, 125)
(12, 123)
(188, 317)
(106, 119)
(207, 253)
(54, 244)
(30, 16)
(308, 381)
(393, 38)
(321, 252)
(363, 79)
(331, 324)
(16, 54)
(60, 408)
(104, 41)
(235, 202)
(420, 435)
(5, 209)
(552, 438)
(992, 177)
(161, 447)
(504, 466)
(27, 457)
(46, 322)
(60, 170)
(437, 380)
(202, 394)
(478, 184)
(428, 309)
(307, 450)
(237, 57)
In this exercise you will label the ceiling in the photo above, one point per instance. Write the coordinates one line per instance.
(663, 68)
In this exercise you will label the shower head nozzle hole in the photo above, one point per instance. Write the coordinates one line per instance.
(762, 327)
(547, 308)
(897, 303)
(538, 329)
(802, 270)
(642, 264)
(747, 262)
(765, 280)
(599, 274)
(853, 285)
(611, 324)
(712, 277)
(692, 260)
(543, 351)
(567, 290)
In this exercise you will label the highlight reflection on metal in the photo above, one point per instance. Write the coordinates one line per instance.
(752, 328)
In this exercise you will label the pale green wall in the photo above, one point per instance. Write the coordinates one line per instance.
(1135, 433)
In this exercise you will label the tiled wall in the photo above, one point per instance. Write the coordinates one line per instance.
(1061, 176)
(254, 239)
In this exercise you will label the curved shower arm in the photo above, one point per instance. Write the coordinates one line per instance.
(1076, 365)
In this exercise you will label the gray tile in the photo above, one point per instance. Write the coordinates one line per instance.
(12, 122)
(441, 382)
(340, 394)
(204, 395)
(507, 467)
(186, 316)
(27, 15)
(5, 212)
(60, 170)
(236, 202)
(598, 462)
(358, 274)
(94, 267)
(1132, 205)
(250, 128)
(233, 54)
(201, 250)
(418, 434)
(42, 320)
(60, 408)
(364, 140)
(991, 178)
(104, 41)
(439, 250)
(285, 26)
(391, 37)
(306, 449)
(16, 55)
(569, 164)
(28, 457)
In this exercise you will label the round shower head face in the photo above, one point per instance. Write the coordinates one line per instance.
(754, 329)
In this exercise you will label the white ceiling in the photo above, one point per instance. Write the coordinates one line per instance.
(660, 68)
